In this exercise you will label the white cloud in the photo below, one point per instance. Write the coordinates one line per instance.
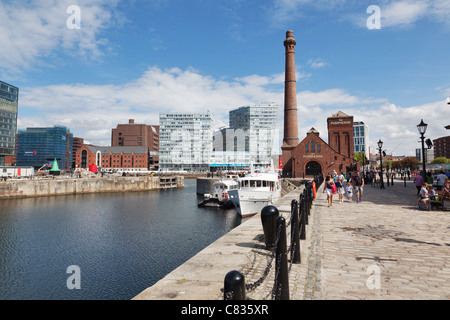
(91, 111)
(316, 63)
(394, 13)
(403, 13)
(31, 31)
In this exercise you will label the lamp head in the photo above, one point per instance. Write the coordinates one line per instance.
(422, 127)
(380, 144)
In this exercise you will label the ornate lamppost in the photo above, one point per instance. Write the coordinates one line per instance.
(380, 145)
(422, 127)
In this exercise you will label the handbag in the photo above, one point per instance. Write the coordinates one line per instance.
(333, 188)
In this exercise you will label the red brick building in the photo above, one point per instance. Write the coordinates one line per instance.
(313, 156)
(112, 157)
(340, 133)
(442, 147)
(138, 135)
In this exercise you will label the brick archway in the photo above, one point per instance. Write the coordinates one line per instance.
(313, 168)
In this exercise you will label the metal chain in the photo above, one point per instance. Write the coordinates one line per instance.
(254, 285)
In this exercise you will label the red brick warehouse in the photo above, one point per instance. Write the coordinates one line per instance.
(314, 156)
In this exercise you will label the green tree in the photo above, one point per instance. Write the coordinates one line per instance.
(440, 160)
(410, 162)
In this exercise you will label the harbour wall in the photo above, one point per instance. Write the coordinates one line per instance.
(205, 185)
(12, 189)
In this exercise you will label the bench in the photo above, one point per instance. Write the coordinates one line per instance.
(442, 202)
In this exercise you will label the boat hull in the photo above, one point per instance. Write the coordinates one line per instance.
(248, 203)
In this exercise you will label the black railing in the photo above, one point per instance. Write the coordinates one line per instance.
(274, 227)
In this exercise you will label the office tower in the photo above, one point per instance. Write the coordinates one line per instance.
(185, 141)
(9, 97)
(39, 146)
(138, 135)
(252, 130)
(361, 137)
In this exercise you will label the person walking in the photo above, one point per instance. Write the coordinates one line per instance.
(358, 185)
(328, 189)
(418, 181)
(441, 177)
(340, 188)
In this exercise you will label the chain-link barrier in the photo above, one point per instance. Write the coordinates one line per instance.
(298, 219)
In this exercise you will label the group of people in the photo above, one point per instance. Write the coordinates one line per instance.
(334, 184)
(426, 192)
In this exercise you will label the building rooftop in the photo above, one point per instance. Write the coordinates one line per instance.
(116, 150)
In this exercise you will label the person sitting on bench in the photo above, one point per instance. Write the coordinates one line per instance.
(423, 195)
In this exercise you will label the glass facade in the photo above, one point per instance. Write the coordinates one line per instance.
(38, 146)
(360, 137)
(258, 124)
(185, 141)
(9, 97)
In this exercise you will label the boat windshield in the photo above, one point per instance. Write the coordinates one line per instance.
(256, 184)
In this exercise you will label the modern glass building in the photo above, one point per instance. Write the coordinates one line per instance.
(257, 124)
(9, 97)
(39, 146)
(360, 137)
(185, 141)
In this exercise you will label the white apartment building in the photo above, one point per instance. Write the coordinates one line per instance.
(185, 141)
(361, 137)
(250, 137)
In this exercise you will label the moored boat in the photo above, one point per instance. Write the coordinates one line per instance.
(256, 190)
(220, 196)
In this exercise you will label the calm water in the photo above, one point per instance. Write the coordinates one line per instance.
(122, 242)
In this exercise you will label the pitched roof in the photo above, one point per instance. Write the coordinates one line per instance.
(339, 114)
(117, 150)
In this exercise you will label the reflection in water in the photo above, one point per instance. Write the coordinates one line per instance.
(122, 242)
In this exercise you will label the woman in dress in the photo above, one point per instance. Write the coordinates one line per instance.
(328, 188)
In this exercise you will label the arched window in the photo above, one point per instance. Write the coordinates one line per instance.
(84, 159)
(313, 146)
(98, 159)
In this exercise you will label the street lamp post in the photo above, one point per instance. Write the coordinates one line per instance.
(380, 145)
(422, 127)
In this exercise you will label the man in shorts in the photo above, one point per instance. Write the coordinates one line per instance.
(358, 184)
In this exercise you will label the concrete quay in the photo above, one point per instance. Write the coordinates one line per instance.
(380, 249)
(55, 186)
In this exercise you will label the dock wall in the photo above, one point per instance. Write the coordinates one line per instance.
(59, 186)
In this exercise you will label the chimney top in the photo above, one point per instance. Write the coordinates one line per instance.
(131, 121)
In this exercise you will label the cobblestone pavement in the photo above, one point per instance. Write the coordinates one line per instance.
(380, 248)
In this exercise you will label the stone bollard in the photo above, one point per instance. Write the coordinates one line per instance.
(302, 218)
(295, 242)
(269, 215)
(281, 274)
(234, 286)
(305, 206)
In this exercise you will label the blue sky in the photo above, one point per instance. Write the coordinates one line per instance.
(135, 58)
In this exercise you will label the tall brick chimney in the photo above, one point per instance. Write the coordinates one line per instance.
(290, 138)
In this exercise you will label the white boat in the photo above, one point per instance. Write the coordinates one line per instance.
(256, 190)
(220, 196)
